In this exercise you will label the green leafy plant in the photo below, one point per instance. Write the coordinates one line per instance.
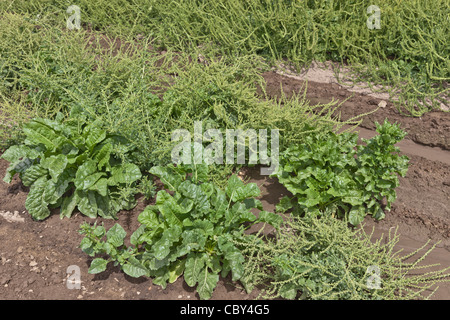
(334, 175)
(72, 164)
(190, 232)
(320, 258)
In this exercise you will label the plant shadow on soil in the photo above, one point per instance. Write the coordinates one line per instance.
(35, 255)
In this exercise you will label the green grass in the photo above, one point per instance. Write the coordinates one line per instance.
(409, 54)
(143, 94)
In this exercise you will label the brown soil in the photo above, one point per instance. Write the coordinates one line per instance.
(432, 129)
(35, 255)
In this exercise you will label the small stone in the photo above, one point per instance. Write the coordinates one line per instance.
(382, 104)
(180, 296)
(33, 263)
(35, 269)
(19, 250)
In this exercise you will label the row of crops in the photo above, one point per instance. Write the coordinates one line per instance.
(88, 118)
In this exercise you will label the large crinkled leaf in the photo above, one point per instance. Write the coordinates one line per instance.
(271, 218)
(199, 172)
(87, 168)
(169, 177)
(353, 197)
(90, 183)
(23, 165)
(251, 203)
(35, 203)
(93, 136)
(235, 261)
(161, 276)
(17, 152)
(207, 188)
(97, 265)
(104, 208)
(20, 166)
(195, 262)
(313, 198)
(102, 157)
(168, 208)
(239, 214)
(116, 235)
(136, 235)
(149, 217)
(32, 174)
(238, 191)
(192, 240)
(356, 215)
(134, 268)
(101, 186)
(289, 290)
(233, 183)
(154, 264)
(207, 282)
(284, 205)
(176, 269)
(55, 165)
(219, 201)
(125, 173)
(69, 204)
(69, 149)
(51, 195)
(64, 180)
(233, 258)
(87, 203)
(204, 226)
(40, 131)
(161, 248)
(87, 175)
(195, 192)
(185, 206)
(78, 158)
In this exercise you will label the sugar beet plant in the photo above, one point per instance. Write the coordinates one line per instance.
(334, 175)
(191, 232)
(72, 164)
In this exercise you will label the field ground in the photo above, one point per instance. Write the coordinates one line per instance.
(35, 255)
